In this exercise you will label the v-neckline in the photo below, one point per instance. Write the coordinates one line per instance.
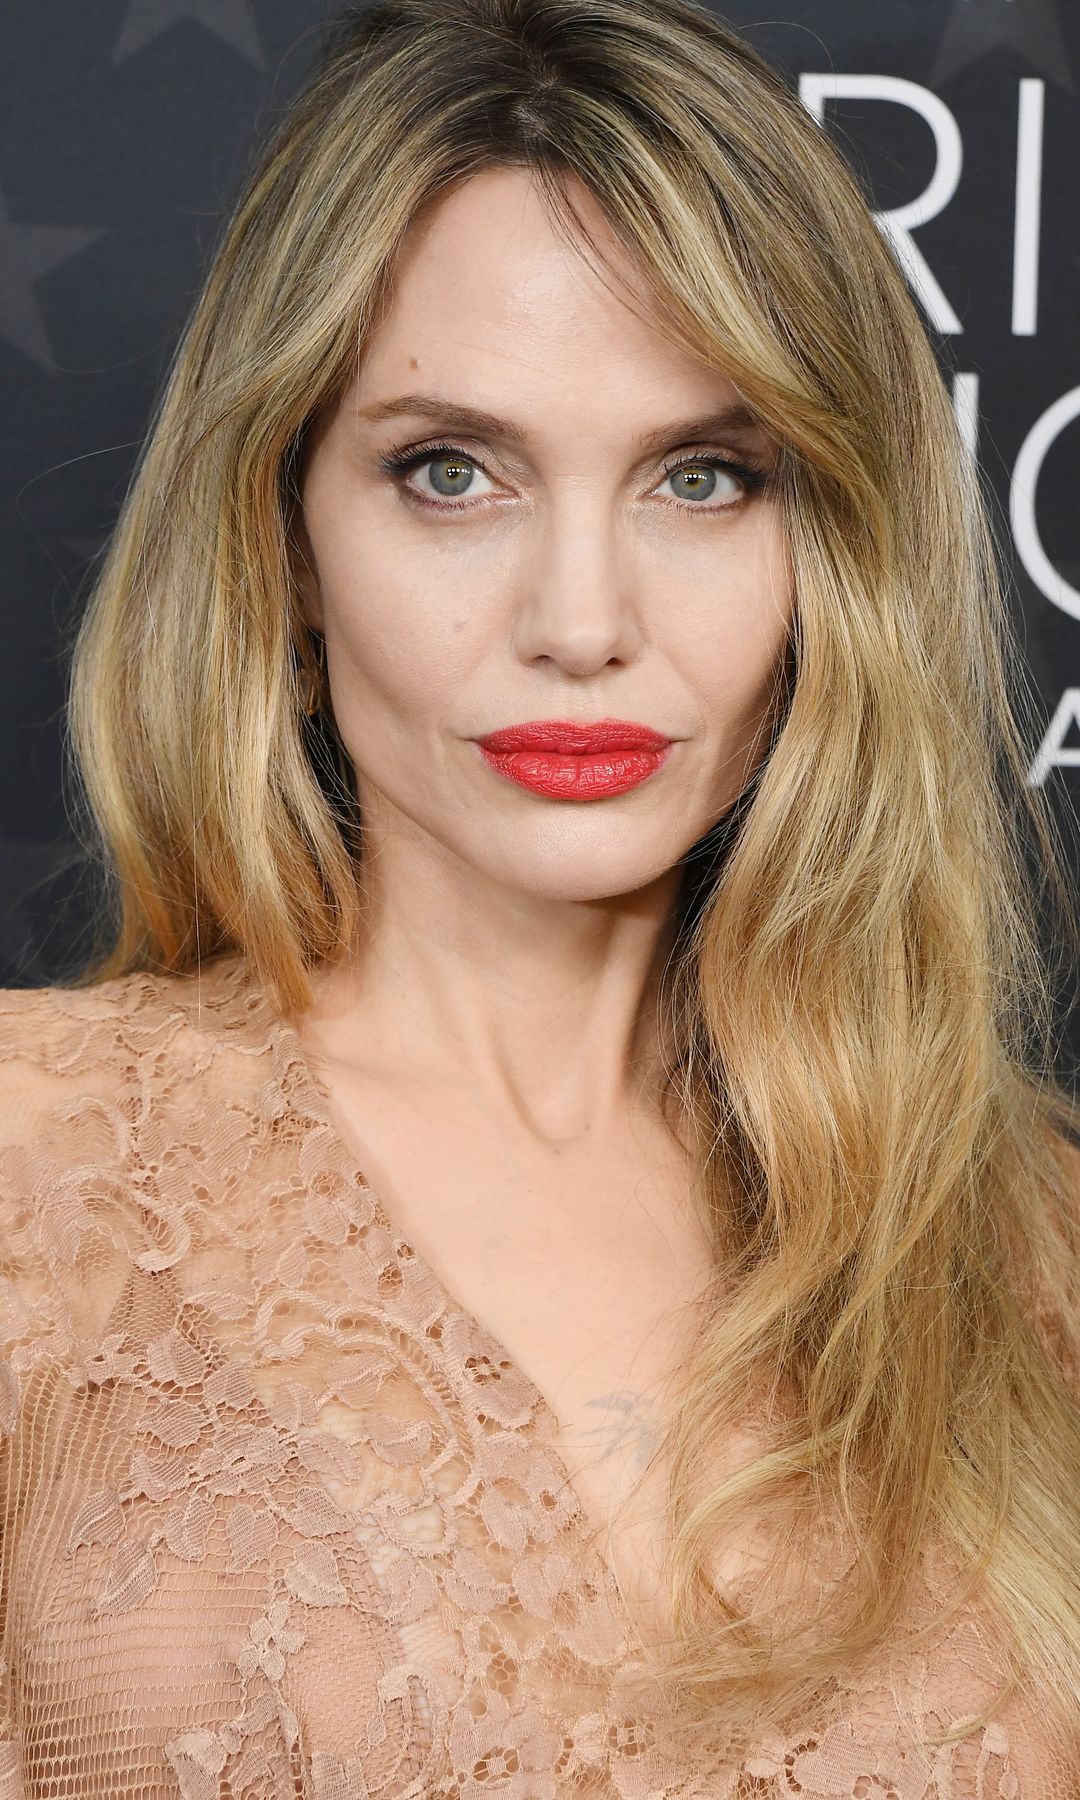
(309, 1102)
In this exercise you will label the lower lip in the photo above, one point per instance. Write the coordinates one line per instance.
(570, 777)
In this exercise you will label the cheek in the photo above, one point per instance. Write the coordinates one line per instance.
(399, 627)
(736, 626)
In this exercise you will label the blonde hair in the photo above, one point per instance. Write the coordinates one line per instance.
(863, 1013)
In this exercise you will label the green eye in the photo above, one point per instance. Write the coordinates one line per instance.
(460, 473)
(702, 489)
(459, 468)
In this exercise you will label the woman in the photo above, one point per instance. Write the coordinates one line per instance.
(540, 1255)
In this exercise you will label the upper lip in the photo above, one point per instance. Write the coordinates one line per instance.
(571, 737)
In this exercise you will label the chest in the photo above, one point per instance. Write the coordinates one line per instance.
(588, 1270)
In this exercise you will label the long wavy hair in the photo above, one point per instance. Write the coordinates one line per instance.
(863, 1010)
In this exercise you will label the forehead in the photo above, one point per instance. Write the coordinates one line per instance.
(494, 303)
(493, 240)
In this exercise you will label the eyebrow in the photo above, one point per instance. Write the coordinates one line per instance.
(736, 418)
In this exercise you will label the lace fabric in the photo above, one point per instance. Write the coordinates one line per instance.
(280, 1518)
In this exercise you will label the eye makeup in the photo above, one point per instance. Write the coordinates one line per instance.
(397, 464)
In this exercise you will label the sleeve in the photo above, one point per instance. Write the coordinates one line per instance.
(36, 1325)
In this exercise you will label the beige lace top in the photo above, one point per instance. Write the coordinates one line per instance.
(279, 1517)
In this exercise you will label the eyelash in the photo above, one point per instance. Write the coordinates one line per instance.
(399, 463)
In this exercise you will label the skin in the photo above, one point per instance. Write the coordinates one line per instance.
(515, 940)
(490, 1048)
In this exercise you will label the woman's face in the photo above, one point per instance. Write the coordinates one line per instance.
(546, 563)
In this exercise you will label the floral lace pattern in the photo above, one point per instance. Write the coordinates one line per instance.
(281, 1519)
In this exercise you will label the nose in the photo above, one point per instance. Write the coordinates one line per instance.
(578, 602)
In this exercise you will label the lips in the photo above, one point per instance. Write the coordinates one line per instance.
(565, 737)
(566, 761)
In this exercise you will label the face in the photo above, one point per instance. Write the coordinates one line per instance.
(584, 553)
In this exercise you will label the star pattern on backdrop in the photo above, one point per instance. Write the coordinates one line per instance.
(1030, 27)
(230, 20)
(26, 253)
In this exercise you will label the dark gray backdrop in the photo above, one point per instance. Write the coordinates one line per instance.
(126, 129)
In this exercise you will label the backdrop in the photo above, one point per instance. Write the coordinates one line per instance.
(126, 129)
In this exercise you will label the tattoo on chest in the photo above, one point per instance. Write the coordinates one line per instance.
(625, 1423)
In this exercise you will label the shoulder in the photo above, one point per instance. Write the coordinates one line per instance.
(104, 1102)
(54, 1029)
(66, 1051)
(70, 1061)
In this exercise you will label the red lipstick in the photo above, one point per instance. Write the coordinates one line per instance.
(570, 761)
